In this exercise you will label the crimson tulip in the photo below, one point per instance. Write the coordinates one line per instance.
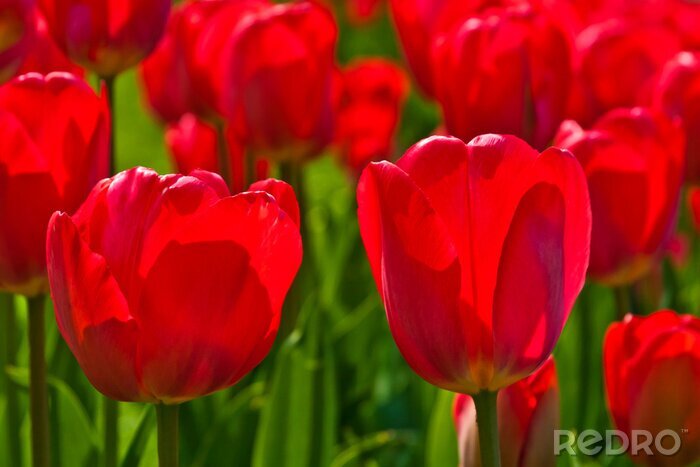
(372, 97)
(652, 372)
(166, 288)
(54, 141)
(478, 251)
(528, 414)
(44, 56)
(193, 145)
(633, 159)
(694, 204)
(617, 65)
(279, 82)
(16, 36)
(185, 74)
(506, 71)
(678, 95)
(362, 11)
(106, 37)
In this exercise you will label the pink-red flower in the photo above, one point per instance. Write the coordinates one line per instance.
(652, 372)
(617, 64)
(478, 251)
(528, 414)
(505, 71)
(44, 56)
(54, 141)
(106, 37)
(634, 162)
(678, 95)
(166, 288)
(279, 81)
(16, 35)
(372, 92)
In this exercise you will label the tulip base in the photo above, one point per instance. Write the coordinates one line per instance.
(38, 394)
(487, 422)
(168, 435)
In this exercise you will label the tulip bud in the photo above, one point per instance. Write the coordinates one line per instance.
(168, 288)
(279, 80)
(506, 71)
(372, 97)
(652, 372)
(633, 159)
(16, 35)
(106, 37)
(678, 95)
(528, 414)
(54, 143)
(618, 62)
(44, 56)
(451, 230)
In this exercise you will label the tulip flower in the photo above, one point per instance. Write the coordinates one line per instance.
(451, 230)
(618, 62)
(633, 159)
(362, 11)
(106, 37)
(279, 80)
(146, 258)
(652, 372)
(678, 95)
(185, 72)
(694, 204)
(508, 71)
(44, 56)
(54, 137)
(54, 140)
(16, 35)
(528, 414)
(372, 97)
(193, 145)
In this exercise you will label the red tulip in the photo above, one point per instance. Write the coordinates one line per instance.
(478, 252)
(634, 163)
(694, 203)
(279, 83)
(16, 35)
(418, 22)
(528, 414)
(618, 64)
(185, 72)
(44, 56)
(54, 140)
(168, 288)
(193, 145)
(678, 95)
(652, 375)
(372, 97)
(507, 71)
(106, 37)
(362, 11)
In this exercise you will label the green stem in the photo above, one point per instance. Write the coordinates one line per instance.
(223, 158)
(487, 422)
(110, 410)
(109, 87)
(168, 451)
(38, 396)
(7, 309)
(111, 407)
(585, 356)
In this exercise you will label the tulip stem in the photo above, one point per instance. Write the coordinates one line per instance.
(38, 395)
(223, 159)
(7, 309)
(168, 451)
(110, 409)
(487, 422)
(109, 88)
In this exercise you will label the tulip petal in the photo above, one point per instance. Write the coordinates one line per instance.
(420, 275)
(283, 194)
(97, 326)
